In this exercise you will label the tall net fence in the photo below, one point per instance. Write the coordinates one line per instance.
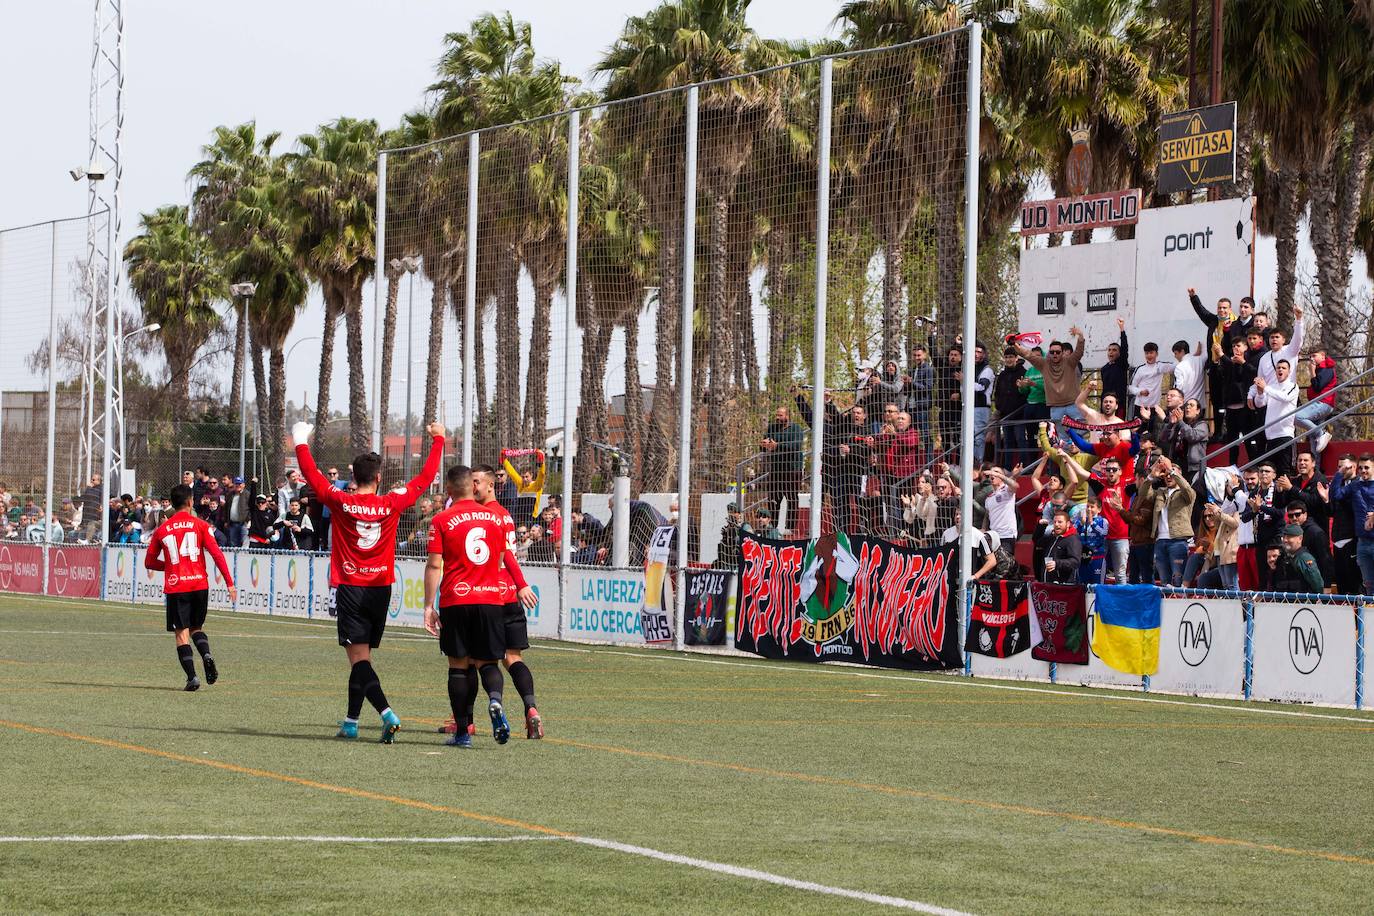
(895, 256)
(51, 276)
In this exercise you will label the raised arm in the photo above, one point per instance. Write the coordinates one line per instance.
(512, 473)
(420, 482)
(1083, 444)
(324, 490)
(1207, 317)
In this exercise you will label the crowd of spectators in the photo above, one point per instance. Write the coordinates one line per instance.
(1148, 487)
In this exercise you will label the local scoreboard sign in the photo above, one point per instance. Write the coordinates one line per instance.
(1068, 214)
(1197, 148)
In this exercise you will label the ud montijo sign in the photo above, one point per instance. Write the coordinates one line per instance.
(1067, 214)
(1197, 148)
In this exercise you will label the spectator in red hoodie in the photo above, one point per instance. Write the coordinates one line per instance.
(899, 457)
(1320, 403)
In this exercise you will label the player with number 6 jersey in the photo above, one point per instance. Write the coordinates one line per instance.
(466, 590)
(178, 550)
(362, 563)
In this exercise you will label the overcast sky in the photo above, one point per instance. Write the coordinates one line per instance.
(290, 65)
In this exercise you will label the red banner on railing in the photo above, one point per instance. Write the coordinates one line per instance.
(74, 572)
(21, 568)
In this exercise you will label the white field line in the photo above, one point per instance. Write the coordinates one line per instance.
(753, 874)
(220, 634)
(719, 868)
(947, 681)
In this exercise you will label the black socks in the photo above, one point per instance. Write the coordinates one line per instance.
(460, 698)
(202, 643)
(523, 680)
(472, 690)
(187, 659)
(492, 681)
(363, 682)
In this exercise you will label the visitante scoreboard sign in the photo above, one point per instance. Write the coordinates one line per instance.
(1197, 148)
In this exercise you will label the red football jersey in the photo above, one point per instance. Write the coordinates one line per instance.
(510, 565)
(178, 548)
(362, 526)
(472, 540)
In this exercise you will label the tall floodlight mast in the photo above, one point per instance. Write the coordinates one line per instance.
(102, 388)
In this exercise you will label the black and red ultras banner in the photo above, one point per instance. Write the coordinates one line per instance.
(1060, 619)
(999, 622)
(708, 591)
(854, 599)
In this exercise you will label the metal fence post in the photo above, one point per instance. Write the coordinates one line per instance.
(470, 302)
(379, 284)
(52, 410)
(684, 461)
(569, 328)
(975, 88)
(822, 281)
(1247, 606)
(107, 444)
(1359, 653)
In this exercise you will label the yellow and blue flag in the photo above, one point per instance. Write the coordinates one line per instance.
(1126, 631)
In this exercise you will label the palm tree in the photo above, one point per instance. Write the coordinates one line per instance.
(333, 191)
(176, 275)
(240, 202)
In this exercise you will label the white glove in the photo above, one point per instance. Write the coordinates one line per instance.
(300, 433)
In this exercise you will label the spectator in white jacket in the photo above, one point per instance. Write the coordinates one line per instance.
(1147, 384)
(1279, 349)
(1279, 399)
(1190, 373)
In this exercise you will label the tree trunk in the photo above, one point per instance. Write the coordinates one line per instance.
(893, 258)
(776, 299)
(1336, 192)
(359, 431)
(274, 428)
(717, 314)
(634, 394)
(260, 400)
(949, 263)
(236, 379)
(1286, 242)
(536, 421)
(507, 419)
(660, 452)
(437, 304)
(388, 348)
(591, 414)
(332, 307)
(180, 358)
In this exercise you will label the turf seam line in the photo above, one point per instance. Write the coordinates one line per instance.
(952, 681)
(547, 832)
(246, 838)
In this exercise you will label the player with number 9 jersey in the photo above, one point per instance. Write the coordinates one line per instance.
(362, 541)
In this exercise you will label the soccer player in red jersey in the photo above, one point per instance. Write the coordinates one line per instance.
(466, 591)
(517, 630)
(178, 550)
(362, 563)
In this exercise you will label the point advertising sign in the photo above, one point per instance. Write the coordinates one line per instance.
(1197, 148)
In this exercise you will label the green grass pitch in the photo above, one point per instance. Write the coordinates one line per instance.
(931, 790)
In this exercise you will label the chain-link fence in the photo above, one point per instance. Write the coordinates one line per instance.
(52, 275)
(695, 223)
